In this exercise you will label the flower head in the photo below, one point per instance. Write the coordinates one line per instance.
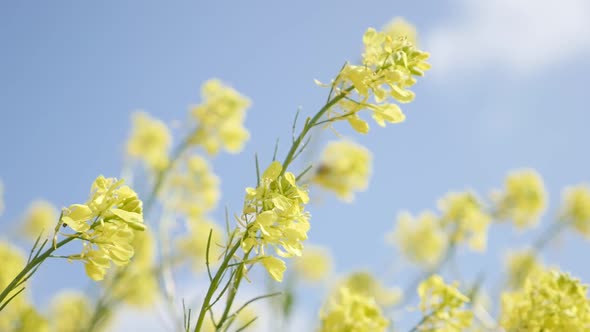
(149, 141)
(576, 208)
(71, 310)
(40, 219)
(220, 118)
(366, 284)
(13, 261)
(442, 306)
(353, 312)
(345, 167)
(315, 264)
(420, 239)
(463, 215)
(398, 28)
(523, 198)
(106, 223)
(520, 266)
(550, 301)
(274, 216)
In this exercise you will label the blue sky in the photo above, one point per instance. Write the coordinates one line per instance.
(508, 90)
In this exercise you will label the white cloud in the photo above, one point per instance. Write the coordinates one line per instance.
(511, 35)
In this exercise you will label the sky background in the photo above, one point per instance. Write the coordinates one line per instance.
(508, 90)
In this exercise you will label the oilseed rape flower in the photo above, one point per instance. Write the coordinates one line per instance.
(550, 301)
(443, 306)
(398, 28)
(149, 141)
(314, 265)
(12, 263)
(464, 216)
(420, 238)
(30, 320)
(520, 265)
(576, 208)
(274, 216)
(106, 224)
(39, 219)
(353, 312)
(70, 310)
(389, 68)
(364, 283)
(220, 118)
(523, 198)
(345, 167)
(192, 188)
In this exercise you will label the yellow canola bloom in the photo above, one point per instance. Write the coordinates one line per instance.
(576, 208)
(40, 219)
(29, 320)
(192, 188)
(352, 312)
(107, 223)
(550, 301)
(13, 261)
(389, 68)
(520, 265)
(523, 199)
(149, 141)
(274, 216)
(420, 238)
(220, 118)
(314, 265)
(364, 283)
(193, 245)
(70, 311)
(345, 167)
(398, 28)
(464, 216)
(443, 306)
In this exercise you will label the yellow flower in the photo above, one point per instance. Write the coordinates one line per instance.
(194, 244)
(364, 283)
(520, 265)
(463, 214)
(13, 261)
(149, 141)
(274, 266)
(220, 118)
(352, 312)
(442, 306)
(31, 320)
(420, 239)
(344, 168)
(390, 65)
(274, 216)
(398, 28)
(192, 188)
(39, 219)
(576, 208)
(523, 198)
(106, 224)
(70, 310)
(550, 301)
(315, 264)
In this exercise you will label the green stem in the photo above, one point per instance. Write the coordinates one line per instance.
(213, 285)
(31, 265)
(233, 290)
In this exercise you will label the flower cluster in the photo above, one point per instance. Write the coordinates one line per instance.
(421, 239)
(71, 311)
(365, 284)
(39, 219)
(149, 141)
(274, 216)
(389, 68)
(344, 168)
(398, 28)
(314, 264)
(12, 263)
(464, 216)
(106, 223)
(442, 306)
(352, 312)
(520, 265)
(576, 208)
(220, 118)
(549, 301)
(523, 198)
